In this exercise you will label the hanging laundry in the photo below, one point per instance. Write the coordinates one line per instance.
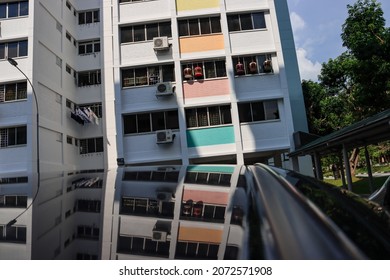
(85, 182)
(91, 115)
(84, 115)
(77, 118)
(80, 112)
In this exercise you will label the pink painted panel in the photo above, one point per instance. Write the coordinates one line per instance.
(206, 196)
(206, 88)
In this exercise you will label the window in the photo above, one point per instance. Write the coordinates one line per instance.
(89, 47)
(209, 69)
(16, 234)
(68, 5)
(156, 176)
(208, 116)
(13, 136)
(13, 9)
(201, 26)
(87, 232)
(196, 250)
(258, 111)
(247, 21)
(13, 92)
(145, 32)
(13, 201)
(68, 36)
(91, 145)
(68, 69)
(216, 179)
(147, 206)
(13, 49)
(84, 205)
(59, 61)
(13, 180)
(69, 104)
(85, 256)
(142, 245)
(89, 78)
(148, 75)
(89, 17)
(147, 122)
(59, 26)
(3, 10)
(69, 139)
(252, 64)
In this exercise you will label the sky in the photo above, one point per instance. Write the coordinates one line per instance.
(317, 31)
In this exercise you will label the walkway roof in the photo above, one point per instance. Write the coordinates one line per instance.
(372, 130)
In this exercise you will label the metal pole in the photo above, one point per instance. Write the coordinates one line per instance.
(369, 169)
(15, 64)
(318, 167)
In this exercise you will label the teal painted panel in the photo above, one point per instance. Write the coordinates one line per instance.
(210, 136)
(211, 168)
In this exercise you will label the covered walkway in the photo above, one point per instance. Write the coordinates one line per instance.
(372, 130)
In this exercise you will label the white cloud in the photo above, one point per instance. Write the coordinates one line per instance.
(308, 69)
(297, 22)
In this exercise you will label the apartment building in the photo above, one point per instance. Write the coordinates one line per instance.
(147, 82)
(51, 116)
(205, 82)
(90, 85)
(56, 45)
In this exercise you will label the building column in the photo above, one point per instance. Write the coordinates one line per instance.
(369, 169)
(294, 163)
(341, 165)
(347, 168)
(278, 160)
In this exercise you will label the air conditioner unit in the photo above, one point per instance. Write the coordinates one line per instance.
(159, 235)
(163, 89)
(164, 136)
(160, 43)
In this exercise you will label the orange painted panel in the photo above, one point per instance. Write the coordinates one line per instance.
(200, 234)
(220, 198)
(206, 88)
(201, 43)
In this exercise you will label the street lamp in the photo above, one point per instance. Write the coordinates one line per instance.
(15, 64)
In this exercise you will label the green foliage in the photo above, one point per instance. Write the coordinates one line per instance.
(364, 29)
(359, 185)
(355, 84)
(367, 39)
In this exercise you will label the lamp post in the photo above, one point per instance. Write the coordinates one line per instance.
(15, 64)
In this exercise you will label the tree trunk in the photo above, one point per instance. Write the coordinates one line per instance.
(353, 160)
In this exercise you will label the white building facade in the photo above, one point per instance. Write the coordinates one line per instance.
(204, 82)
(167, 82)
(146, 82)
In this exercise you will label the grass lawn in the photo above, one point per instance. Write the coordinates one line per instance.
(360, 185)
(375, 168)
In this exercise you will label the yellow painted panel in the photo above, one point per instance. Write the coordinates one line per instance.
(183, 5)
(202, 43)
(200, 234)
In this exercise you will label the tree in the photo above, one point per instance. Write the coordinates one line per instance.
(355, 84)
(368, 41)
(364, 31)
(326, 112)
